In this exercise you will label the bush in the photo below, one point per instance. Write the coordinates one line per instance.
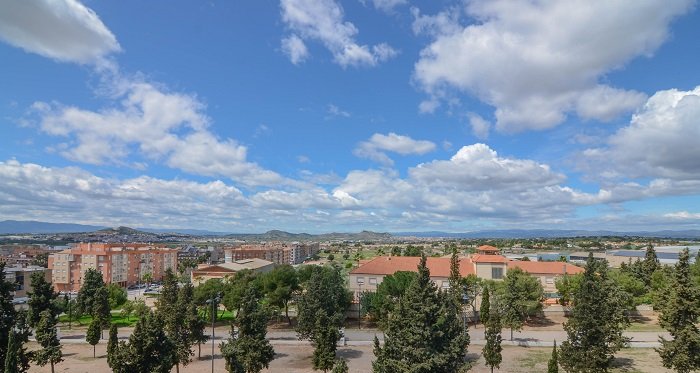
(116, 295)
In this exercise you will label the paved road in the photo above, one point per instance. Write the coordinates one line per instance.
(531, 338)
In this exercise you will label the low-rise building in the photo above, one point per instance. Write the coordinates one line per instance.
(223, 270)
(22, 276)
(123, 264)
(276, 252)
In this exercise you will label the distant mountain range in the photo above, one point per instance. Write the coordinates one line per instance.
(38, 227)
(553, 233)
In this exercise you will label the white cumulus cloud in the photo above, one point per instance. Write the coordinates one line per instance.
(323, 21)
(376, 147)
(64, 30)
(537, 61)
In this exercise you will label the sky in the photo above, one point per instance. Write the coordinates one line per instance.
(325, 115)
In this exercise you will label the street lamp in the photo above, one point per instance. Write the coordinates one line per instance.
(359, 304)
(70, 307)
(214, 302)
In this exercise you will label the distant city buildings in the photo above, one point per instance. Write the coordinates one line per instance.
(276, 252)
(22, 255)
(123, 264)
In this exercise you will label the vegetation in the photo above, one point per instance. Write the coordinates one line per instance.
(597, 321)
(425, 332)
(92, 281)
(389, 291)
(116, 295)
(280, 285)
(247, 351)
(41, 299)
(521, 298)
(492, 349)
(485, 309)
(148, 349)
(679, 317)
(47, 337)
(93, 334)
(553, 364)
(7, 312)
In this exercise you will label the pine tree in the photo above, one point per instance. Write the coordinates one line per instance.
(649, 265)
(40, 299)
(92, 281)
(7, 312)
(11, 359)
(148, 350)
(249, 351)
(553, 365)
(485, 306)
(597, 322)
(177, 327)
(21, 331)
(321, 312)
(679, 317)
(47, 337)
(113, 346)
(341, 366)
(492, 348)
(93, 334)
(425, 332)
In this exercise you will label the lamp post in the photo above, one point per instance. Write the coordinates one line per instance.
(70, 306)
(359, 304)
(214, 301)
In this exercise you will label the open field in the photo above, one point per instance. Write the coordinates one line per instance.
(293, 359)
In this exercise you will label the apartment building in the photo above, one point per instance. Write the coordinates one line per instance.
(22, 277)
(123, 264)
(276, 252)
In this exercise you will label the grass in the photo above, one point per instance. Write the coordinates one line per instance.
(533, 358)
(644, 327)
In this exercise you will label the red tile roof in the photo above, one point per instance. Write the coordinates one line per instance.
(486, 248)
(549, 268)
(480, 258)
(387, 265)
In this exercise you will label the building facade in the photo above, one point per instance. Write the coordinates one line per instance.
(22, 277)
(276, 252)
(122, 264)
(221, 271)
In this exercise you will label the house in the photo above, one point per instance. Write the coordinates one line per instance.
(223, 270)
(546, 272)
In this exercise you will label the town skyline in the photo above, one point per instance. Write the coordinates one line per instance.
(322, 116)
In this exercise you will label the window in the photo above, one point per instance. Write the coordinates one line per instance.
(445, 284)
(360, 280)
(372, 281)
(496, 273)
(549, 280)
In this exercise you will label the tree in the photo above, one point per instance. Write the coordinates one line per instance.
(522, 297)
(321, 312)
(196, 324)
(485, 308)
(41, 298)
(566, 286)
(235, 287)
(41, 260)
(127, 310)
(341, 366)
(141, 310)
(177, 327)
(492, 348)
(116, 295)
(553, 364)
(100, 308)
(7, 311)
(47, 337)
(249, 351)
(92, 280)
(280, 285)
(112, 346)
(389, 291)
(597, 322)
(649, 265)
(473, 286)
(148, 349)
(679, 317)
(424, 333)
(19, 359)
(93, 334)
(11, 362)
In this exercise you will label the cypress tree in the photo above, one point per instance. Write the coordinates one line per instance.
(40, 299)
(47, 337)
(597, 322)
(172, 308)
(7, 312)
(148, 350)
(649, 265)
(553, 365)
(112, 346)
(492, 348)
(93, 334)
(679, 317)
(485, 306)
(21, 332)
(11, 359)
(250, 351)
(101, 310)
(425, 332)
(341, 366)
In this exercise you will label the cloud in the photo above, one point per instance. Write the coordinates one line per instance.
(295, 49)
(386, 5)
(323, 21)
(682, 215)
(64, 30)
(335, 111)
(162, 126)
(378, 144)
(480, 126)
(545, 59)
(660, 140)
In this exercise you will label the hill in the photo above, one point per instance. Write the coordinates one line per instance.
(16, 226)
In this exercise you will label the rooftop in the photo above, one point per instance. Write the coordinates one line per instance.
(554, 268)
(387, 265)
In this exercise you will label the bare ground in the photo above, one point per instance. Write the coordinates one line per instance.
(292, 359)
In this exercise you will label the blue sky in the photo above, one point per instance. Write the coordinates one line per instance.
(326, 115)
